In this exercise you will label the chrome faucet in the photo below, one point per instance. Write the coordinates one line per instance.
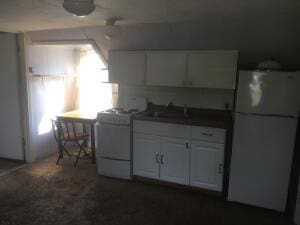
(170, 104)
(185, 110)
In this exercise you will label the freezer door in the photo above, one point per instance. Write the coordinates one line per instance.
(270, 93)
(261, 160)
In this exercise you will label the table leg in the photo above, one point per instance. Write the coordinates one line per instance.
(84, 126)
(93, 145)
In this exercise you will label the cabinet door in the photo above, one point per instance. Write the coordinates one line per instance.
(166, 69)
(146, 149)
(207, 165)
(175, 156)
(127, 67)
(212, 69)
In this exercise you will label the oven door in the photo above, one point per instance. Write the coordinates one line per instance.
(114, 141)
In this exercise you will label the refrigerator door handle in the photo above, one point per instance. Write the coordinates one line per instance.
(220, 168)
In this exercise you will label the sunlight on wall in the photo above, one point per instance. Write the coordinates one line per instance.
(53, 102)
(94, 95)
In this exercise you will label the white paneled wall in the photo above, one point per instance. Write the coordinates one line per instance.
(10, 115)
(51, 60)
(193, 97)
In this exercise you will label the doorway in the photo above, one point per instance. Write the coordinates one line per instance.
(63, 78)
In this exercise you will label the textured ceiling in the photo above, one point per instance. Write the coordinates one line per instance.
(29, 15)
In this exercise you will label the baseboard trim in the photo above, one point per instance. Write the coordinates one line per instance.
(12, 170)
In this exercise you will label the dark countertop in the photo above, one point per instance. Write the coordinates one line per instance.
(196, 117)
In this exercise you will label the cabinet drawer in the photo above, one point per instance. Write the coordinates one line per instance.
(162, 129)
(208, 134)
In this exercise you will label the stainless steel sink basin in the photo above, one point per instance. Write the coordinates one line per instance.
(162, 114)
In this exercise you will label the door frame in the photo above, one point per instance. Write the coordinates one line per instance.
(23, 43)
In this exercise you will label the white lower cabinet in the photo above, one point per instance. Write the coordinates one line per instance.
(146, 150)
(207, 165)
(175, 156)
(187, 157)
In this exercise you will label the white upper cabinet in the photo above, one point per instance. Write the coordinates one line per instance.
(127, 67)
(175, 159)
(212, 69)
(166, 69)
(199, 69)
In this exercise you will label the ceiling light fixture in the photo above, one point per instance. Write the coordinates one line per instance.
(79, 8)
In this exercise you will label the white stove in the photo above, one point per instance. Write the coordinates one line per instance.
(114, 138)
(117, 115)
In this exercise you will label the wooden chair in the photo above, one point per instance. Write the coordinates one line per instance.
(67, 131)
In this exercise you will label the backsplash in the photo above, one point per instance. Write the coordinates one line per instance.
(193, 97)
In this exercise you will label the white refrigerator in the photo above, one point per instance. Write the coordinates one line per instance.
(266, 112)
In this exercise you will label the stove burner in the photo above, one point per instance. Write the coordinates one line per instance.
(133, 110)
(117, 109)
(121, 111)
(124, 112)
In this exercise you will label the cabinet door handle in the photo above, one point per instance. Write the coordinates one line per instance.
(186, 145)
(220, 168)
(207, 134)
(161, 159)
(157, 158)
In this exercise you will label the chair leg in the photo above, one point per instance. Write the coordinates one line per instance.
(77, 157)
(60, 152)
(57, 161)
(84, 148)
(85, 153)
(65, 150)
(68, 153)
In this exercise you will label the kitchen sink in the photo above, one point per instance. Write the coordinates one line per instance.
(163, 114)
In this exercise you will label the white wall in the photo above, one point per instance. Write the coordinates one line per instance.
(10, 116)
(43, 142)
(271, 37)
(193, 97)
(255, 40)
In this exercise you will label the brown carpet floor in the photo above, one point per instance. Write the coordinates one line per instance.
(43, 193)
(8, 165)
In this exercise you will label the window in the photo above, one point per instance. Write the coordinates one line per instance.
(94, 95)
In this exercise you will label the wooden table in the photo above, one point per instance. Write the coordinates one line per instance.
(79, 116)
